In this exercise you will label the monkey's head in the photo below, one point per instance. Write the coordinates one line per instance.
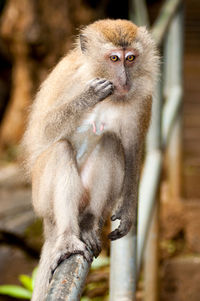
(121, 52)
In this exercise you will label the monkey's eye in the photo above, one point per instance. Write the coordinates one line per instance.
(114, 58)
(130, 58)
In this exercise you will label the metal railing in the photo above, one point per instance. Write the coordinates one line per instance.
(128, 252)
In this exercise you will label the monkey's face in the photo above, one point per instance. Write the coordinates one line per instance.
(120, 63)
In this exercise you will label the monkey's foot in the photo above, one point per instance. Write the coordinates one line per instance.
(124, 227)
(92, 240)
(67, 247)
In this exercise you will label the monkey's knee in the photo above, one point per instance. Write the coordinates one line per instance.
(53, 161)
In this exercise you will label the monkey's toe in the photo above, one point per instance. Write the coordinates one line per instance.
(92, 241)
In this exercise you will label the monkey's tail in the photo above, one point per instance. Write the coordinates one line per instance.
(43, 274)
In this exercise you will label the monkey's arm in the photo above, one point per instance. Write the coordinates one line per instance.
(133, 142)
(126, 213)
(65, 118)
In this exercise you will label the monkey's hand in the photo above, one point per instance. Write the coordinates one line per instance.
(125, 224)
(98, 89)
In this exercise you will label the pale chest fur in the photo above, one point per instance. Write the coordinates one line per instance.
(105, 117)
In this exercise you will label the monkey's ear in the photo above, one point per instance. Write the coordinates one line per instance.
(83, 41)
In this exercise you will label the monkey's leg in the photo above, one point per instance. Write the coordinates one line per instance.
(44, 272)
(57, 194)
(103, 174)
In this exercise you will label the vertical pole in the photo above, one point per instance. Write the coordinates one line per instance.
(149, 242)
(123, 267)
(138, 12)
(173, 75)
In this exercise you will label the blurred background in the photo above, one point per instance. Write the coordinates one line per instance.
(34, 35)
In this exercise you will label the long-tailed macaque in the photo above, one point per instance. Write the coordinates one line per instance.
(85, 137)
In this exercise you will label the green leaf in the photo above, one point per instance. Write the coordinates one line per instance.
(34, 273)
(26, 281)
(85, 299)
(15, 291)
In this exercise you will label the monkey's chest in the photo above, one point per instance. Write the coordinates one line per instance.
(91, 129)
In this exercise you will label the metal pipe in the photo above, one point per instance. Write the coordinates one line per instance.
(147, 194)
(69, 279)
(149, 243)
(173, 49)
(138, 12)
(170, 112)
(161, 24)
(123, 267)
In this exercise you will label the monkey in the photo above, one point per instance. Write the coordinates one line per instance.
(84, 140)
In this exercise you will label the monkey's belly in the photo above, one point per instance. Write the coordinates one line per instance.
(86, 139)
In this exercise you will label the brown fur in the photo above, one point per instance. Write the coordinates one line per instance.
(118, 32)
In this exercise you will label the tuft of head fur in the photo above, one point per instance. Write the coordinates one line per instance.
(118, 32)
(121, 33)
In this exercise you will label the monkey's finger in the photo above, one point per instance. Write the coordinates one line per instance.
(114, 217)
(88, 244)
(101, 80)
(96, 247)
(117, 233)
(105, 84)
(114, 234)
(96, 81)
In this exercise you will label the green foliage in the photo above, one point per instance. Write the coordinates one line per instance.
(15, 291)
(20, 292)
(26, 281)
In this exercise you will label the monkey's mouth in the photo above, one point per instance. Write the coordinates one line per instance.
(122, 90)
(122, 86)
